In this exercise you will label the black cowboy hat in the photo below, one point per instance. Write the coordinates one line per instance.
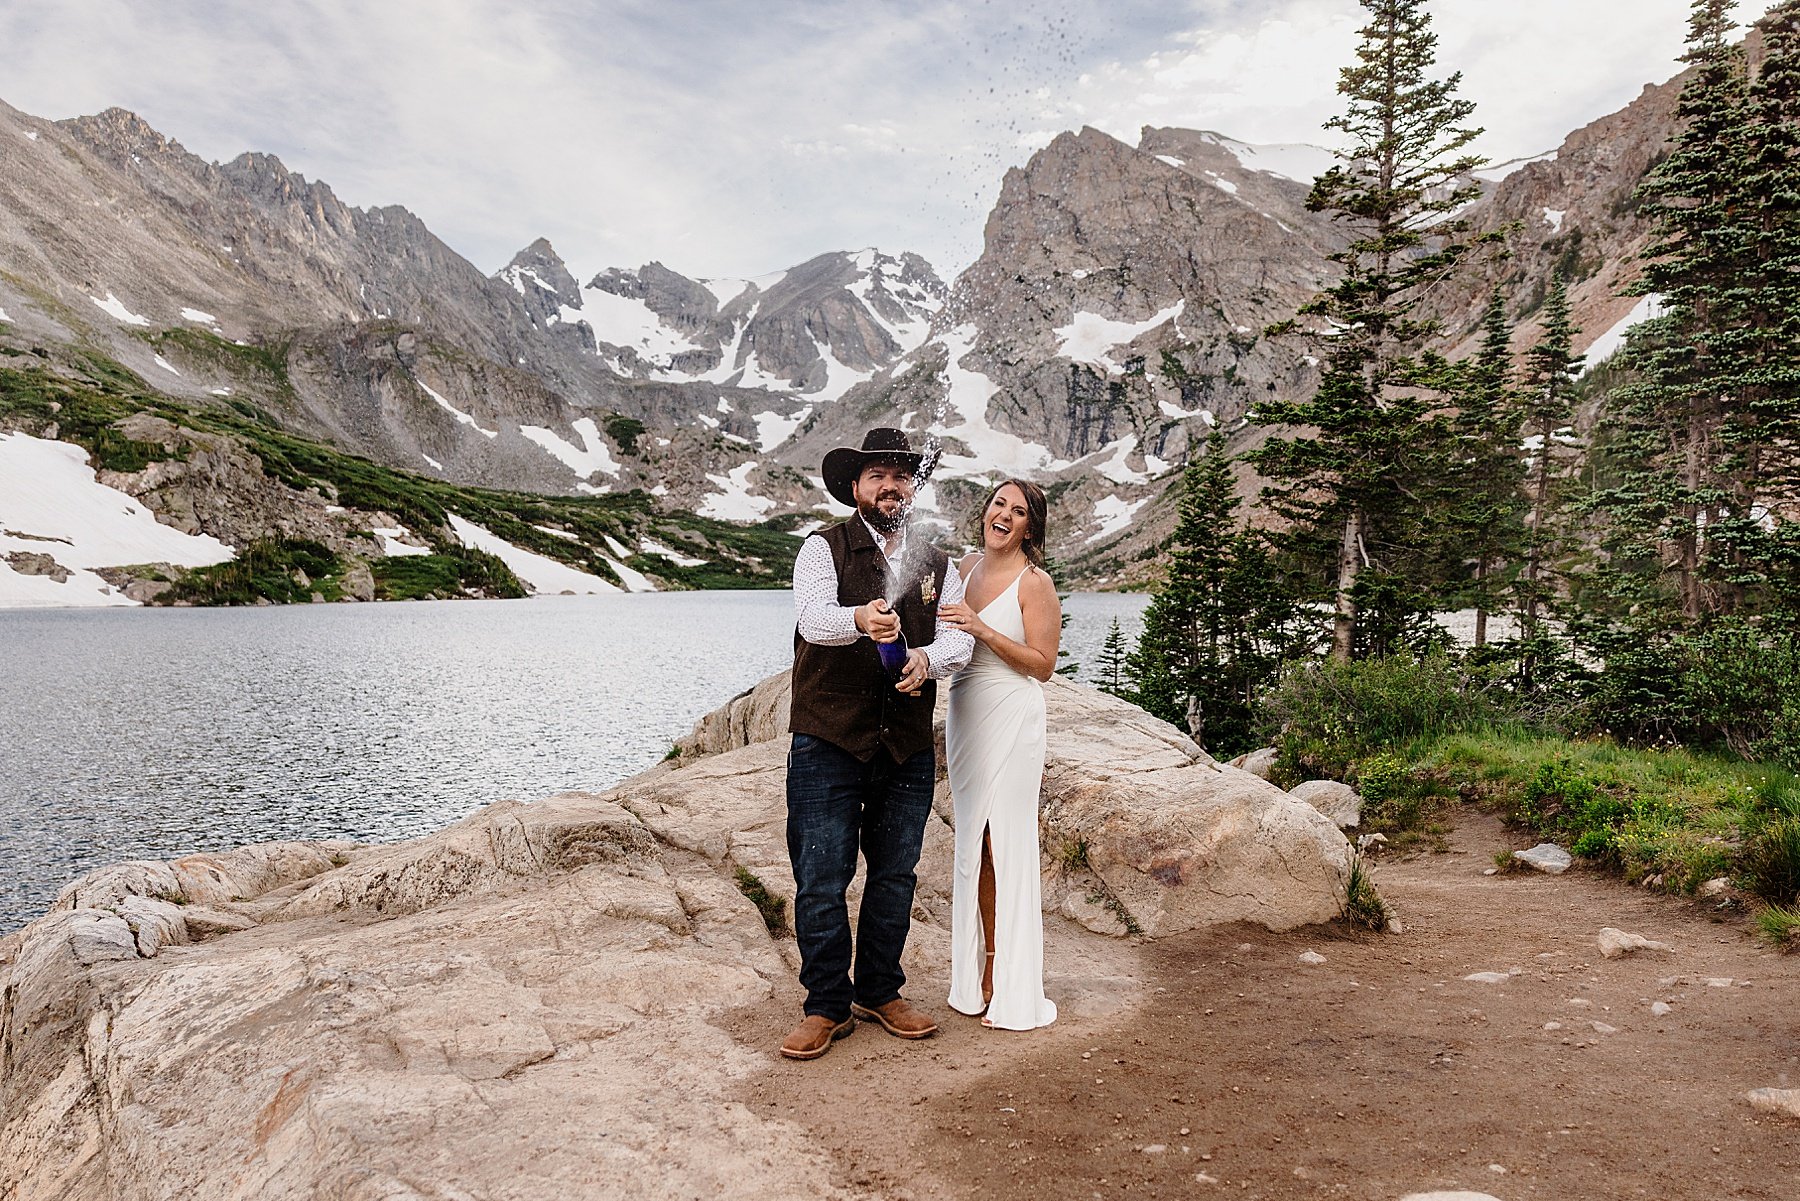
(843, 465)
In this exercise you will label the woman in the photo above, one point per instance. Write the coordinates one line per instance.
(995, 747)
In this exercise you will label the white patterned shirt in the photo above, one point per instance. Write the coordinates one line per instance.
(824, 622)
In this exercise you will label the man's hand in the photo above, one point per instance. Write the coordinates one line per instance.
(877, 621)
(917, 667)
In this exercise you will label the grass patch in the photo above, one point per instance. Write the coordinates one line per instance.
(772, 907)
(1779, 926)
(1362, 906)
(1073, 855)
(1675, 818)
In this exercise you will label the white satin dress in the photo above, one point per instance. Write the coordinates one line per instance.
(994, 741)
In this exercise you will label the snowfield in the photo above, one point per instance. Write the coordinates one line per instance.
(540, 573)
(51, 504)
(1090, 338)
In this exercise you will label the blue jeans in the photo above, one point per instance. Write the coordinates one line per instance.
(836, 801)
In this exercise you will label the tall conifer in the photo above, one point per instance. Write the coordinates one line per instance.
(1483, 527)
(1547, 418)
(1663, 446)
(1216, 631)
(1353, 487)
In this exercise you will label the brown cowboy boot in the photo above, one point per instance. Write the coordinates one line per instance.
(814, 1036)
(898, 1018)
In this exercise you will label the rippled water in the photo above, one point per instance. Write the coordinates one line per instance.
(152, 733)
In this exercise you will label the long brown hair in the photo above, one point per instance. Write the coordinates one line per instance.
(1037, 514)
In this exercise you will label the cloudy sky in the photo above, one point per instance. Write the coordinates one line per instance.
(724, 137)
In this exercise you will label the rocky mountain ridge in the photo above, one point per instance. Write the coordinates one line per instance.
(1113, 320)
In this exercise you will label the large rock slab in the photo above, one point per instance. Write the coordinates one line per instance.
(530, 1002)
(1134, 817)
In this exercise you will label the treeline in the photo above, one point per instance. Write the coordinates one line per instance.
(1628, 541)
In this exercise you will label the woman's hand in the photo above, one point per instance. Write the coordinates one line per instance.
(960, 616)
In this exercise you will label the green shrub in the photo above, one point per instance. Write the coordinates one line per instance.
(282, 571)
(456, 572)
(1772, 861)
(625, 431)
(1325, 717)
(1734, 686)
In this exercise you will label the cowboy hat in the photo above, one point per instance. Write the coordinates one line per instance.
(843, 465)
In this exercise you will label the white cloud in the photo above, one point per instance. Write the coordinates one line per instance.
(727, 139)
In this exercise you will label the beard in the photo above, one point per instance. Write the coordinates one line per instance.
(885, 523)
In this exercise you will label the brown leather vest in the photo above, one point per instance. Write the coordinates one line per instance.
(841, 693)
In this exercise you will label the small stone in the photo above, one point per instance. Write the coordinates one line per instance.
(1580, 1002)
(1497, 1169)
(1394, 926)
(1662, 1009)
(1204, 1178)
(1719, 982)
(1615, 942)
(1775, 1100)
(1487, 977)
(1155, 1149)
(1553, 1025)
(1492, 871)
(1451, 1195)
(1603, 1028)
(1546, 857)
(1311, 957)
(1714, 887)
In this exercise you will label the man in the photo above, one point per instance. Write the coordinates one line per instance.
(863, 761)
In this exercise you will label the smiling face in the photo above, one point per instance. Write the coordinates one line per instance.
(1007, 522)
(884, 494)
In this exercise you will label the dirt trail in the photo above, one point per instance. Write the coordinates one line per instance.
(1218, 1064)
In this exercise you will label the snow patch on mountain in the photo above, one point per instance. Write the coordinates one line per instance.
(391, 546)
(967, 396)
(115, 308)
(622, 321)
(586, 460)
(734, 501)
(1114, 515)
(198, 317)
(462, 417)
(839, 378)
(650, 547)
(1298, 161)
(540, 573)
(1610, 342)
(772, 429)
(1114, 466)
(1089, 337)
(52, 504)
(166, 365)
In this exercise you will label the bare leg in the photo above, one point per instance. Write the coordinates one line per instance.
(985, 895)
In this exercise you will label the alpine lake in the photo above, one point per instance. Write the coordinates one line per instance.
(155, 733)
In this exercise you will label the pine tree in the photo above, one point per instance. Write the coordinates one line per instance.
(1484, 516)
(1219, 628)
(1757, 540)
(1663, 450)
(1355, 487)
(1546, 414)
(1111, 664)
